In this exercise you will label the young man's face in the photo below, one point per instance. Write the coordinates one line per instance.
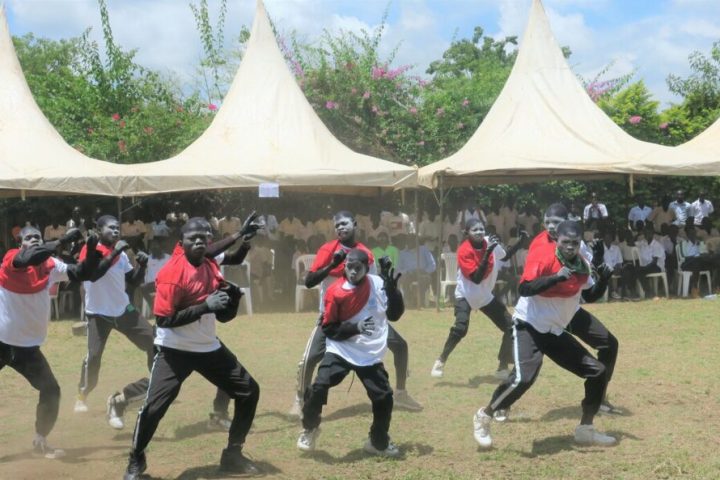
(195, 244)
(476, 233)
(680, 196)
(344, 228)
(110, 232)
(551, 223)
(383, 241)
(569, 245)
(31, 238)
(355, 271)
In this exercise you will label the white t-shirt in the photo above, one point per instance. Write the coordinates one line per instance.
(107, 296)
(24, 317)
(550, 314)
(198, 336)
(647, 252)
(480, 294)
(365, 350)
(702, 210)
(612, 256)
(154, 265)
(639, 214)
(597, 212)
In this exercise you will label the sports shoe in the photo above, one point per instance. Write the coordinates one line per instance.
(80, 405)
(402, 399)
(306, 440)
(219, 421)
(481, 426)
(233, 460)
(502, 374)
(391, 451)
(296, 409)
(501, 415)
(136, 466)
(437, 370)
(587, 435)
(615, 296)
(41, 448)
(609, 408)
(114, 412)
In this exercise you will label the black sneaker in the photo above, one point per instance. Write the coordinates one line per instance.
(232, 460)
(136, 466)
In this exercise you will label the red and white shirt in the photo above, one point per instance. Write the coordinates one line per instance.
(25, 300)
(345, 302)
(469, 258)
(325, 256)
(107, 295)
(179, 285)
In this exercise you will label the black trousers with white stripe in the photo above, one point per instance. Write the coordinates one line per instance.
(219, 367)
(31, 364)
(530, 347)
(590, 330)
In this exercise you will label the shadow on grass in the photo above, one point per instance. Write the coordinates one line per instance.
(473, 382)
(350, 411)
(214, 472)
(564, 443)
(575, 412)
(72, 455)
(410, 448)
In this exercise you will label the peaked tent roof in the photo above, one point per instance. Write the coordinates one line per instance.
(34, 158)
(708, 141)
(266, 131)
(544, 125)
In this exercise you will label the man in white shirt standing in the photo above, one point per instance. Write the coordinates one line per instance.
(639, 213)
(702, 208)
(595, 213)
(682, 209)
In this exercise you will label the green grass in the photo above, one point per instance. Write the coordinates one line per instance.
(666, 379)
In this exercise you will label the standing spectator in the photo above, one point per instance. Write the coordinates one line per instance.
(291, 227)
(411, 271)
(228, 224)
(527, 219)
(639, 213)
(76, 220)
(595, 213)
(385, 249)
(471, 211)
(702, 209)
(682, 209)
(662, 214)
(429, 230)
(510, 216)
(54, 231)
(133, 231)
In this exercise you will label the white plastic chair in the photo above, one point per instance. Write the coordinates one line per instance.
(653, 276)
(54, 289)
(684, 277)
(300, 289)
(234, 274)
(450, 261)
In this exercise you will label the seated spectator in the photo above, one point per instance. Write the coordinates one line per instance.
(612, 257)
(651, 257)
(696, 258)
(411, 271)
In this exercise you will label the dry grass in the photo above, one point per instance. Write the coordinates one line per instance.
(666, 378)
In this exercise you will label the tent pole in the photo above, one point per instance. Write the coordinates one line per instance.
(438, 271)
(118, 202)
(418, 302)
(631, 183)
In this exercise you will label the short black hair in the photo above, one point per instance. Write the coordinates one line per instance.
(344, 213)
(557, 210)
(104, 220)
(195, 223)
(570, 228)
(358, 255)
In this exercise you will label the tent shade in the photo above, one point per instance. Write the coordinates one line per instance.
(267, 132)
(34, 158)
(544, 125)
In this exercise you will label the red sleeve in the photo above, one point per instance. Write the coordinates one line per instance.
(323, 257)
(167, 296)
(330, 309)
(83, 253)
(466, 259)
(536, 262)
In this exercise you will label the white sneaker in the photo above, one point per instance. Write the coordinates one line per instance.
(502, 374)
(391, 451)
(80, 406)
(587, 435)
(112, 414)
(306, 440)
(219, 421)
(296, 409)
(501, 415)
(41, 448)
(402, 399)
(437, 370)
(481, 425)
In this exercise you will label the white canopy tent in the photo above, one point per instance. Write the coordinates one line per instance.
(544, 126)
(34, 158)
(267, 132)
(707, 142)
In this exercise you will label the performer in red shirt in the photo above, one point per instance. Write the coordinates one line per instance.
(328, 266)
(191, 295)
(355, 322)
(26, 275)
(550, 288)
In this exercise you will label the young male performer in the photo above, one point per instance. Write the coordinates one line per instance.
(357, 308)
(550, 290)
(328, 266)
(108, 307)
(191, 295)
(479, 260)
(583, 325)
(26, 275)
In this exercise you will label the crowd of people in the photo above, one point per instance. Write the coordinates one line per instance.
(365, 267)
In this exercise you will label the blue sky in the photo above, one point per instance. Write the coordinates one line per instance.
(650, 38)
